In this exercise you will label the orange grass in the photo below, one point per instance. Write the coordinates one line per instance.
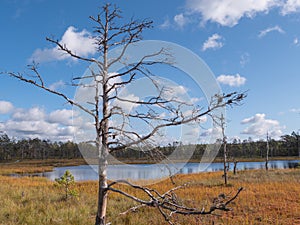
(36, 166)
(268, 198)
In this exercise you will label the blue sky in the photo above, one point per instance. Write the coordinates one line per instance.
(248, 44)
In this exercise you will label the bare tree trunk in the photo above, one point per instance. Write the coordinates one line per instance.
(102, 131)
(225, 175)
(225, 162)
(298, 143)
(234, 166)
(102, 193)
(267, 156)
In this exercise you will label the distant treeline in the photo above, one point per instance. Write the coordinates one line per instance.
(288, 145)
(36, 149)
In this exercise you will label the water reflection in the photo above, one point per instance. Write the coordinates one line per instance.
(147, 172)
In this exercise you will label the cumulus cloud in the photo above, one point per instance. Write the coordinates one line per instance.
(290, 6)
(259, 126)
(270, 29)
(213, 42)
(33, 114)
(5, 107)
(211, 135)
(231, 80)
(228, 12)
(79, 42)
(59, 125)
(61, 116)
(180, 20)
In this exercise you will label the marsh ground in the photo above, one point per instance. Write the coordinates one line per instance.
(268, 198)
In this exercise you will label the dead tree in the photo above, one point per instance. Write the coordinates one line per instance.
(106, 87)
(224, 142)
(235, 162)
(267, 154)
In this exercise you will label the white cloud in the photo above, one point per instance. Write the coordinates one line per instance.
(193, 132)
(61, 116)
(125, 105)
(166, 24)
(86, 91)
(213, 42)
(290, 6)
(79, 43)
(57, 85)
(270, 29)
(213, 133)
(296, 41)
(196, 100)
(259, 126)
(180, 90)
(173, 90)
(5, 107)
(231, 80)
(228, 12)
(180, 20)
(58, 125)
(33, 114)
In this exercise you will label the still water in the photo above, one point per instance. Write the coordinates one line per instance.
(157, 171)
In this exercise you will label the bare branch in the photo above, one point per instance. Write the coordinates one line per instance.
(137, 65)
(173, 123)
(169, 201)
(64, 48)
(42, 86)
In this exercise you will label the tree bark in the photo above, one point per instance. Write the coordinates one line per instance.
(234, 167)
(102, 131)
(225, 162)
(102, 193)
(225, 175)
(267, 156)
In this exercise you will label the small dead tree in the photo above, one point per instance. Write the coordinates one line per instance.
(224, 142)
(267, 154)
(235, 162)
(106, 85)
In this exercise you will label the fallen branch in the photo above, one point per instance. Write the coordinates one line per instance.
(168, 203)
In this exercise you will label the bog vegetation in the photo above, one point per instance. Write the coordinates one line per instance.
(268, 198)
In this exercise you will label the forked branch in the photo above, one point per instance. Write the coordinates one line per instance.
(168, 203)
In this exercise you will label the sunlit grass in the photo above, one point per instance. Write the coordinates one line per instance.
(36, 166)
(268, 198)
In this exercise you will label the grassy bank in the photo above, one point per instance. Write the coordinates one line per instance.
(268, 198)
(36, 166)
(39, 166)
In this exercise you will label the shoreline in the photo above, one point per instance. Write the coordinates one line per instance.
(48, 165)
